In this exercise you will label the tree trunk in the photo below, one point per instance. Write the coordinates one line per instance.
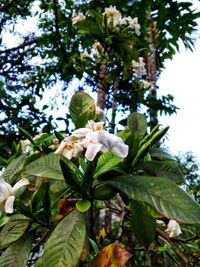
(102, 87)
(152, 73)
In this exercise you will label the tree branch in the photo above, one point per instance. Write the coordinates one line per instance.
(60, 44)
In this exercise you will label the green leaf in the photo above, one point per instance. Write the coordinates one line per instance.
(83, 205)
(82, 108)
(143, 224)
(47, 166)
(159, 153)
(65, 245)
(105, 163)
(71, 178)
(104, 192)
(162, 194)
(27, 135)
(145, 147)
(164, 168)
(40, 201)
(87, 178)
(16, 255)
(12, 231)
(14, 168)
(3, 220)
(137, 123)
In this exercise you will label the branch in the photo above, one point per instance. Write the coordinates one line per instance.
(170, 243)
(57, 29)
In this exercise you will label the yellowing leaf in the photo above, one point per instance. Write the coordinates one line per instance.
(113, 255)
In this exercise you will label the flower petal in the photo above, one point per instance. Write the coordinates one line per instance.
(9, 204)
(120, 150)
(173, 229)
(5, 190)
(19, 184)
(92, 150)
(62, 146)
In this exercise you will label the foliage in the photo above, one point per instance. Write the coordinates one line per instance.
(63, 210)
(190, 168)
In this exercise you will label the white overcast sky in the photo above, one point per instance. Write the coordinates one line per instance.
(181, 78)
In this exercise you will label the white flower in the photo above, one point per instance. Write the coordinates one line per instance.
(99, 140)
(133, 24)
(69, 147)
(8, 193)
(78, 18)
(173, 229)
(93, 138)
(139, 67)
(113, 143)
(113, 16)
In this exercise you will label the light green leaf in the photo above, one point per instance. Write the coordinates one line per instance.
(12, 231)
(47, 166)
(105, 163)
(64, 246)
(82, 108)
(16, 255)
(162, 194)
(83, 205)
(14, 168)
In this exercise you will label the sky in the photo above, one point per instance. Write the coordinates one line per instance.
(181, 78)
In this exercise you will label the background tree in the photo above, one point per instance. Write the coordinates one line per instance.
(53, 53)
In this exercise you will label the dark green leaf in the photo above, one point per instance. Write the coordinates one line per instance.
(143, 224)
(71, 177)
(162, 194)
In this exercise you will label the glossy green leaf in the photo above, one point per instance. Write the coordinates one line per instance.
(105, 163)
(17, 254)
(143, 224)
(104, 192)
(64, 246)
(47, 166)
(162, 194)
(12, 231)
(71, 178)
(82, 108)
(83, 205)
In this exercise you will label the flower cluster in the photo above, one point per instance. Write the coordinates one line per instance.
(8, 194)
(115, 19)
(92, 139)
(139, 67)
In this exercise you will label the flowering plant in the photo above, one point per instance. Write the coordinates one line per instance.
(71, 184)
